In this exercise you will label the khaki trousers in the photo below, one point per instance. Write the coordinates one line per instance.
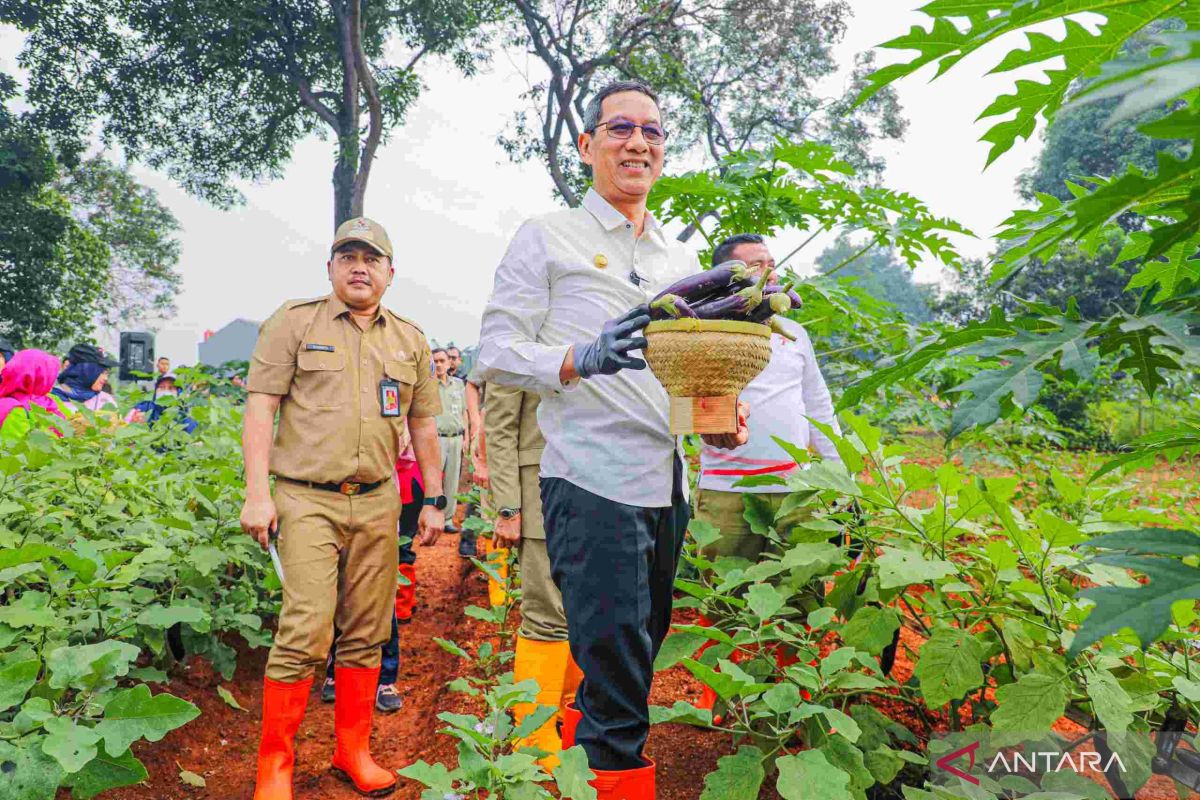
(339, 561)
(542, 615)
(451, 469)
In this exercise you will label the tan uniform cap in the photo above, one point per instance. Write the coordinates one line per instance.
(367, 231)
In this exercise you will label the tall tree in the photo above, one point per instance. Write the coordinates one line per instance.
(211, 91)
(52, 270)
(732, 75)
(140, 233)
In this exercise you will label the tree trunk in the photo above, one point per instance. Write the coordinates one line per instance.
(345, 203)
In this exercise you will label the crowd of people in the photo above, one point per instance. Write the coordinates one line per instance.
(36, 382)
(565, 432)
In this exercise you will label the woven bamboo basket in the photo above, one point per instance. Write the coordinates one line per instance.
(704, 365)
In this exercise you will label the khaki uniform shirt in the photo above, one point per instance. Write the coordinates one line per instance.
(454, 406)
(514, 440)
(329, 371)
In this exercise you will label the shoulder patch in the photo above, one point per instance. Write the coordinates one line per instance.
(405, 320)
(297, 303)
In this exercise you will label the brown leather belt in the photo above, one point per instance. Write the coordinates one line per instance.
(347, 488)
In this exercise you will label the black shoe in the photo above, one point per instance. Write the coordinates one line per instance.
(387, 699)
(466, 548)
(327, 694)
(450, 528)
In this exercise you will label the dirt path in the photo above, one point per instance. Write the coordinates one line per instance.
(221, 746)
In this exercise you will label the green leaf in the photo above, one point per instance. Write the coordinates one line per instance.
(16, 680)
(535, 720)
(1031, 705)
(765, 600)
(782, 697)
(158, 616)
(903, 567)
(105, 772)
(949, 665)
(27, 773)
(134, 713)
(71, 745)
(703, 532)
(884, 763)
(680, 712)
(1149, 541)
(676, 647)
(1145, 609)
(808, 775)
(572, 775)
(1110, 702)
(91, 666)
(759, 513)
(737, 777)
(871, 629)
(724, 684)
(435, 776)
(229, 699)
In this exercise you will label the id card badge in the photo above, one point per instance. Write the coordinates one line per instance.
(389, 398)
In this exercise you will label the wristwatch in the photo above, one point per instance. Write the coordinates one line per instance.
(438, 502)
(509, 513)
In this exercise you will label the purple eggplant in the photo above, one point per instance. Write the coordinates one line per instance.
(671, 306)
(736, 306)
(701, 284)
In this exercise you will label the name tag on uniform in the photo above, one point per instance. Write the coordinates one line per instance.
(389, 398)
(321, 348)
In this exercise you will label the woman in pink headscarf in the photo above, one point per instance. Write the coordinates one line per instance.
(26, 382)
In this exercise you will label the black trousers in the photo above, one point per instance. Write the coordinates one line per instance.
(615, 566)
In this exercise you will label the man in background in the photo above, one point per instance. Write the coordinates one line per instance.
(163, 366)
(452, 430)
(455, 356)
(784, 397)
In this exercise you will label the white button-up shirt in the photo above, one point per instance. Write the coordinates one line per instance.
(565, 274)
(781, 398)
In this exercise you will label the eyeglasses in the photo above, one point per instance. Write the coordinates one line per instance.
(624, 130)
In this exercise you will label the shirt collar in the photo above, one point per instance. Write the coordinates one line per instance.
(337, 308)
(608, 217)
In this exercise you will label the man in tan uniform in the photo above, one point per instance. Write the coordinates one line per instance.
(343, 373)
(514, 452)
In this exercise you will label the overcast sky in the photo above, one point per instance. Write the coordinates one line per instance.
(450, 199)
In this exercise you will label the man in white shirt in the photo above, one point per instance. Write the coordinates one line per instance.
(783, 396)
(613, 484)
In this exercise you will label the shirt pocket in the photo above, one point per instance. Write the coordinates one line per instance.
(322, 381)
(405, 374)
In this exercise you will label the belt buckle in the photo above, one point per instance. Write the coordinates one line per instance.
(348, 488)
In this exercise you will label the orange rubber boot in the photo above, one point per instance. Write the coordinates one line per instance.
(352, 714)
(545, 662)
(406, 596)
(571, 717)
(627, 784)
(283, 709)
(571, 683)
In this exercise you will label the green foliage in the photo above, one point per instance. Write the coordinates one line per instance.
(984, 572)
(140, 233)
(52, 270)
(878, 273)
(220, 91)
(110, 549)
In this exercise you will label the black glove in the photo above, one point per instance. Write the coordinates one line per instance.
(608, 354)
